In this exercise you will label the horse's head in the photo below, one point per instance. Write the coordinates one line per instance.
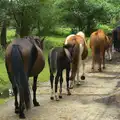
(39, 41)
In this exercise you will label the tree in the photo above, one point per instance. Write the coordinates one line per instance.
(85, 14)
(4, 17)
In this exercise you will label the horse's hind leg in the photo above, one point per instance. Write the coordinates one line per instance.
(56, 85)
(67, 80)
(34, 87)
(83, 75)
(15, 90)
(21, 107)
(104, 60)
(51, 81)
(61, 81)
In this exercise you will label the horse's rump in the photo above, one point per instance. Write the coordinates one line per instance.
(30, 52)
(97, 44)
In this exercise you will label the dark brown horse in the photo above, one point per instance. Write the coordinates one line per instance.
(99, 43)
(24, 58)
(59, 58)
(116, 38)
(79, 56)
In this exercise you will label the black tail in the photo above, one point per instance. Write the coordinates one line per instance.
(52, 60)
(20, 76)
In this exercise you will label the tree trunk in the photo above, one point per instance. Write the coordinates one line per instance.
(24, 31)
(88, 30)
(3, 34)
(17, 31)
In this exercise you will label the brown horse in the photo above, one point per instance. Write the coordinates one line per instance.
(24, 58)
(99, 43)
(79, 55)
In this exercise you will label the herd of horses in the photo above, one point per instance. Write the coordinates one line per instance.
(24, 58)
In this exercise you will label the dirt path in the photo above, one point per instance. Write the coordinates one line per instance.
(87, 102)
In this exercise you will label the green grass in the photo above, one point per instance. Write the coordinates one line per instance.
(2, 100)
(10, 34)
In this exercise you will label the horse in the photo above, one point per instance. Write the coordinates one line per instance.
(116, 38)
(99, 43)
(79, 55)
(109, 48)
(23, 59)
(59, 58)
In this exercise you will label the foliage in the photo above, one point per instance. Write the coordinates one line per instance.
(85, 14)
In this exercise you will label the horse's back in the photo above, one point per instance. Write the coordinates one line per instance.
(25, 50)
(25, 47)
(70, 39)
(97, 38)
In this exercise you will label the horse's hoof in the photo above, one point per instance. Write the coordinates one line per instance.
(99, 70)
(52, 98)
(22, 116)
(36, 104)
(71, 87)
(60, 96)
(92, 69)
(56, 98)
(104, 67)
(69, 93)
(16, 110)
(82, 77)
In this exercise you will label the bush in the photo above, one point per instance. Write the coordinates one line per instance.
(106, 28)
(2, 52)
(51, 42)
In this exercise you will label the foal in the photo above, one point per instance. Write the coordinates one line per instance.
(59, 58)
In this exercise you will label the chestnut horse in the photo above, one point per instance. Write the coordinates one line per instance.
(24, 58)
(99, 43)
(79, 55)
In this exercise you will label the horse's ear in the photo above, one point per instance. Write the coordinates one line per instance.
(42, 39)
(65, 46)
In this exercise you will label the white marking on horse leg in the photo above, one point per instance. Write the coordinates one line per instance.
(72, 84)
(56, 96)
(111, 53)
(81, 48)
(52, 94)
(83, 64)
(78, 78)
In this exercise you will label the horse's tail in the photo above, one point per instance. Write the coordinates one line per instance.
(52, 60)
(20, 76)
(97, 49)
(77, 57)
